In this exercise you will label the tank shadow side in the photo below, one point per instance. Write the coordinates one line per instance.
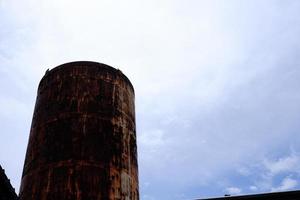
(82, 142)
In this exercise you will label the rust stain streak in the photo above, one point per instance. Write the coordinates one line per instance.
(82, 141)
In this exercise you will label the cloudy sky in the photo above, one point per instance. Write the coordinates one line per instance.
(217, 85)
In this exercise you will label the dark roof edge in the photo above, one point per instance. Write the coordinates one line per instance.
(10, 189)
(272, 194)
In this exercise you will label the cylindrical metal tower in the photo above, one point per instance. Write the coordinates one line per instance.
(82, 143)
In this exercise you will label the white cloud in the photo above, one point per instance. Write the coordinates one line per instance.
(287, 164)
(152, 138)
(244, 171)
(233, 190)
(253, 188)
(269, 171)
(12, 108)
(286, 184)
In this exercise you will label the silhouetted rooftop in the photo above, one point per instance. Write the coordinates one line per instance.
(7, 192)
(289, 195)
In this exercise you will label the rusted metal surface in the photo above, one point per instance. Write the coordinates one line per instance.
(82, 142)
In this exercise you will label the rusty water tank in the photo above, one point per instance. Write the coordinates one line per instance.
(82, 143)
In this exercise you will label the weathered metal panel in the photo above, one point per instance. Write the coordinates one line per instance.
(82, 142)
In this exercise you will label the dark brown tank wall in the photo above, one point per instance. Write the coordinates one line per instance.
(82, 142)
